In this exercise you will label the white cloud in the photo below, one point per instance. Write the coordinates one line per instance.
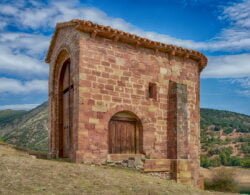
(244, 85)
(2, 24)
(244, 82)
(20, 64)
(238, 14)
(228, 66)
(8, 9)
(44, 16)
(31, 44)
(19, 106)
(19, 47)
(14, 86)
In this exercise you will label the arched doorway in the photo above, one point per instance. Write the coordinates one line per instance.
(125, 134)
(65, 110)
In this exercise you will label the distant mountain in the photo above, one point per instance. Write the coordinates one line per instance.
(228, 121)
(26, 129)
(220, 130)
(7, 116)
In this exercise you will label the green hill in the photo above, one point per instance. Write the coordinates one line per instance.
(228, 121)
(225, 138)
(26, 129)
(6, 116)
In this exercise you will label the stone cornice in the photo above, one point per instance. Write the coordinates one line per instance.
(117, 35)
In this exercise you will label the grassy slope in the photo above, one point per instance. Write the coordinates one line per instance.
(22, 174)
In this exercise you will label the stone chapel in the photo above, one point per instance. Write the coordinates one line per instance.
(118, 97)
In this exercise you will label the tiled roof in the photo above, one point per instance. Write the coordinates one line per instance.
(121, 36)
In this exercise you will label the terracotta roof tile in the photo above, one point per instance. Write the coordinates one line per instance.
(117, 35)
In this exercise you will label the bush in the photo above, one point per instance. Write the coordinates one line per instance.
(246, 148)
(213, 151)
(225, 156)
(243, 139)
(228, 130)
(223, 181)
(215, 161)
(245, 163)
(205, 162)
(216, 128)
(235, 161)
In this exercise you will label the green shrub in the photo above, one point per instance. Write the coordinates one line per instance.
(215, 161)
(205, 161)
(245, 163)
(213, 151)
(228, 130)
(243, 139)
(216, 128)
(246, 148)
(235, 161)
(223, 180)
(225, 156)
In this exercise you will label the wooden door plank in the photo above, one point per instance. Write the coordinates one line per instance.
(132, 138)
(71, 112)
(137, 137)
(66, 77)
(65, 124)
(123, 137)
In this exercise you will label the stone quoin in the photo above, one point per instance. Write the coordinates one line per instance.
(115, 96)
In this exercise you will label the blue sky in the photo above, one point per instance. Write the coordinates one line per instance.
(219, 29)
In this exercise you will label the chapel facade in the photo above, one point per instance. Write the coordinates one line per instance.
(118, 97)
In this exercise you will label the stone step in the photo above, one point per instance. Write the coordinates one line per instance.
(157, 165)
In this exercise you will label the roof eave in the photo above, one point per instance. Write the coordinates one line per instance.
(117, 35)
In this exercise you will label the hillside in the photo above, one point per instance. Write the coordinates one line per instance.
(225, 136)
(26, 129)
(24, 174)
(225, 120)
(8, 119)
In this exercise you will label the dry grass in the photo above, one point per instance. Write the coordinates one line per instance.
(241, 176)
(223, 180)
(23, 174)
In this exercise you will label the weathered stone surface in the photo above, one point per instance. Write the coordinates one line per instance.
(112, 76)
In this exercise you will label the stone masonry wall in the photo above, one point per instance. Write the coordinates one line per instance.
(66, 47)
(111, 76)
(115, 77)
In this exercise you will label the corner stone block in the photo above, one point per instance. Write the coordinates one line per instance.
(94, 121)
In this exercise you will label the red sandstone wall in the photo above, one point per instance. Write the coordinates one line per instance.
(110, 77)
(115, 77)
(67, 46)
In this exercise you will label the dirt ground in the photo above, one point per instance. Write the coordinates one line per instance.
(21, 173)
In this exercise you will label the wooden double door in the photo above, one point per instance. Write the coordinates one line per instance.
(124, 136)
(65, 137)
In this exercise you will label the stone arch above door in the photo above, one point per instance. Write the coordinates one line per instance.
(55, 93)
